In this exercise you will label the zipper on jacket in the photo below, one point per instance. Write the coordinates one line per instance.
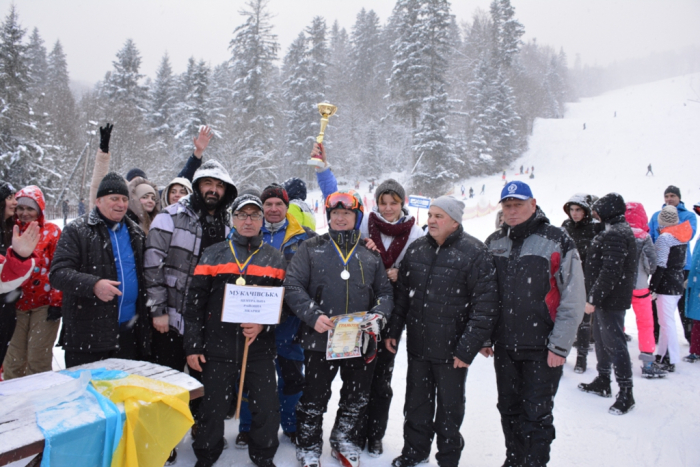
(425, 291)
(119, 255)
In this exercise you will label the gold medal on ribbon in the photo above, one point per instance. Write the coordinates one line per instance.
(240, 281)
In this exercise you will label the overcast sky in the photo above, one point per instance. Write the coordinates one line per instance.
(92, 31)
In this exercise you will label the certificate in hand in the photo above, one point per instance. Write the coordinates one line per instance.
(344, 341)
(252, 304)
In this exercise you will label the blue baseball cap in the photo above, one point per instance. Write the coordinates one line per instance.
(518, 190)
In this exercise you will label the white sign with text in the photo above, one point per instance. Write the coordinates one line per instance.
(252, 304)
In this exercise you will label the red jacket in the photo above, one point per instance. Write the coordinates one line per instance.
(13, 271)
(37, 291)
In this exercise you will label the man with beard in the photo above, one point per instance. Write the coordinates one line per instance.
(177, 238)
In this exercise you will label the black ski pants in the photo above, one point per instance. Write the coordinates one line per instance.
(168, 349)
(8, 322)
(611, 345)
(427, 382)
(526, 389)
(354, 396)
(583, 335)
(219, 378)
(376, 416)
(128, 349)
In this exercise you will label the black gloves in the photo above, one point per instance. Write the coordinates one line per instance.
(105, 133)
(54, 313)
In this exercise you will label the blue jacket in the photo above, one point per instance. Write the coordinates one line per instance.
(683, 215)
(287, 240)
(126, 272)
(692, 292)
(327, 182)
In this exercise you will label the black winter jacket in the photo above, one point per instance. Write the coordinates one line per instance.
(314, 287)
(83, 257)
(541, 286)
(586, 229)
(205, 333)
(447, 297)
(611, 266)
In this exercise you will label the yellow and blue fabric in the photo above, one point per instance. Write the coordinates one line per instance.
(91, 430)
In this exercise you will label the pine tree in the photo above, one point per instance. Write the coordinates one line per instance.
(254, 49)
(37, 63)
(24, 158)
(300, 115)
(436, 165)
(161, 109)
(191, 110)
(126, 101)
(365, 41)
(60, 105)
(407, 83)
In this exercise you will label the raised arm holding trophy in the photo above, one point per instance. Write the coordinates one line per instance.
(326, 110)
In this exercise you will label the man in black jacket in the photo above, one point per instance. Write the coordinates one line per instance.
(582, 228)
(611, 271)
(334, 275)
(542, 296)
(447, 297)
(98, 265)
(216, 347)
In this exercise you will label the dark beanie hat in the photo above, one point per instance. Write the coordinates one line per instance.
(296, 188)
(275, 191)
(135, 172)
(673, 189)
(390, 186)
(112, 184)
(6, 190)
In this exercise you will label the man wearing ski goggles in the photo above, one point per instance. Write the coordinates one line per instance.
(333, 275)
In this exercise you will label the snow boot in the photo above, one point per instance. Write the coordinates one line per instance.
(600, 386)
(242, 440)
(650, 370)
(374, 447)
(292, 435)
(692, 358)
(623, 403)
(402, 461)
(347, 459)
(580, 363)
(172, 458)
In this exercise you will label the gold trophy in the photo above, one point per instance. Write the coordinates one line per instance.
(326, 110)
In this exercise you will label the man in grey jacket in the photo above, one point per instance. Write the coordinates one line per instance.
(334, 275)
(542, 297)
(175, 242)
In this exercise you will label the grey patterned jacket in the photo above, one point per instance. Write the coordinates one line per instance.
(172, 252)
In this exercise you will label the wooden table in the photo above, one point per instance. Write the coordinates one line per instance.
(21, 438)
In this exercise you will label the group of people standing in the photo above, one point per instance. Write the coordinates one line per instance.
(143, 275)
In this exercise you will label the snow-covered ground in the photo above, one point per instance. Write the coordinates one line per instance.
(657, 123)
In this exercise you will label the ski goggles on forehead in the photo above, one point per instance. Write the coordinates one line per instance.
(344, 200)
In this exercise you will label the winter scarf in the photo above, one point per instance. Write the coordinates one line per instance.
(399, 231)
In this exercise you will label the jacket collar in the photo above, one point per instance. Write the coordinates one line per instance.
(527, 228)
(245, 242)
(453, 237)
(346, 238)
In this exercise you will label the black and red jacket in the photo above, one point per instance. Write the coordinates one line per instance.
(205, 333)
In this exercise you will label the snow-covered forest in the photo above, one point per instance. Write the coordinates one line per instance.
(436, 97)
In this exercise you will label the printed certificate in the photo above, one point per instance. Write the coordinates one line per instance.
(344, 341)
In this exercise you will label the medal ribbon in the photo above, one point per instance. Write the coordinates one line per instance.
(243, 268)
(344, 259)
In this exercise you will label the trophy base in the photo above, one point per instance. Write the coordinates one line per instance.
(316, 162)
